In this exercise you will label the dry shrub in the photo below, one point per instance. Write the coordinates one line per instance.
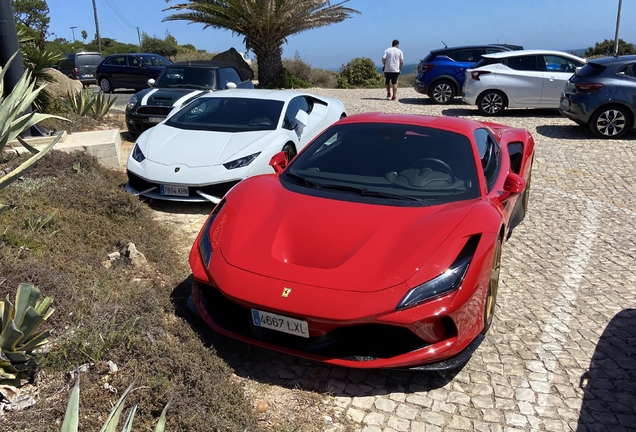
(129, 316)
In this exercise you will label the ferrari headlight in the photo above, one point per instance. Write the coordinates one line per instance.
(131, 103)
(448, 281)
(137, 154)
(242, 162)
(205, 244)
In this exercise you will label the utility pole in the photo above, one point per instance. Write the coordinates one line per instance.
(618, 24)
(99, 40)
(139, 37)
(73, 30)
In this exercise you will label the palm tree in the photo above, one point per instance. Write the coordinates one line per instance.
(265, 24)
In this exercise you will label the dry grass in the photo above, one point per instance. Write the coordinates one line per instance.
(126, 315)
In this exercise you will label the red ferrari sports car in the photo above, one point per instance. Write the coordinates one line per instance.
(377, 246)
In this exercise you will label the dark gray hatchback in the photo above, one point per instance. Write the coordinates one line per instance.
(602, 96)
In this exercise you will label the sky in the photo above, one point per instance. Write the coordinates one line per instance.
(419, 25)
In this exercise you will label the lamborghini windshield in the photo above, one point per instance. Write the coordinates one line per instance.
(223, 114)
(390, 162)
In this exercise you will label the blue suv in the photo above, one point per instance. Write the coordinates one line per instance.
(441, 74)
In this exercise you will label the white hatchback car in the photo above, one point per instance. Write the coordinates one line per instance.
(519, 79)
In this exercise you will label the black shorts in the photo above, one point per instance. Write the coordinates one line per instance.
(391, 77)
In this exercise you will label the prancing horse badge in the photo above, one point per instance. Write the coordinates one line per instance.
(286, 292)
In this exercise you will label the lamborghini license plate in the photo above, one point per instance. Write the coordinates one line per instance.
(174, 190)
(280, 323)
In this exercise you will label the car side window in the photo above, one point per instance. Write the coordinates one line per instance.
(118, 61)
(523, 63)
(133, 61)
(560, 64)
(227, 75)
(466, 56)
(297, 103)
(628, 71)
(489, 154)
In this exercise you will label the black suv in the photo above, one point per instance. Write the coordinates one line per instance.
(80, 66)
(602, 96)
(441, 74)
(131, 71)
(179, 84)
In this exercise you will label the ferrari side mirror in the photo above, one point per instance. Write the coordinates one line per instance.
(279, 162)
(514, 185)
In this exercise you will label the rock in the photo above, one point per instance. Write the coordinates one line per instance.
(110, 388)
(83, 368)
(62, 85)
(137, 259)
(113, 256)
(262, 407)
(112, 367)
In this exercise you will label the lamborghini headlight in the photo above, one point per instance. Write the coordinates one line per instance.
(443, 284)
(137, 154)
(131, 103)
(242, 162)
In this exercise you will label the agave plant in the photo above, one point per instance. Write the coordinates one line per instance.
(71, 417)
(82, 102)
(18, 337)
(14, 120)
(102, 105)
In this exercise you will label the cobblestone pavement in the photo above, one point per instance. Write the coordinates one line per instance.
(560, 354)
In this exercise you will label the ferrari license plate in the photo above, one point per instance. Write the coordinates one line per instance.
(155, 119)
(280, 323)
(174, 190)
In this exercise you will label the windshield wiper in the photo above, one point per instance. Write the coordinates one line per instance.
(367, 192)
(307, 182)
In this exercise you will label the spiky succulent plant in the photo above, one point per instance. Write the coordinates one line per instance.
(18, 336)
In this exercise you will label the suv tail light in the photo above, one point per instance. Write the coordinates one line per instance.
(476, 74)
(76, 70)
(423, 68)
(588, 87)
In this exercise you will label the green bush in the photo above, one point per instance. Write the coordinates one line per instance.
(286, 80)
(360, 72)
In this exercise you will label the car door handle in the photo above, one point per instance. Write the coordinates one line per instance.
(552, 78)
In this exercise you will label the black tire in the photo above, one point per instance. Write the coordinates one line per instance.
(105, 85)
(442, 92)
(493, 287)
(290, 149)
(491, 103)
(611, 122)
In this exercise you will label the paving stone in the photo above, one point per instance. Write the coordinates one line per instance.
(526, 395)
(483, 401)
(399, 424)
(374, 418)
(356, 415)
(365, 402)
(385, 405)
(406, 412)
(514, 419)
(460, 423)
(433, 418)
(419, 400)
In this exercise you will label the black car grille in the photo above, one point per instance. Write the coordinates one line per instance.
(154, 110)
(217, 190)
(362, 342)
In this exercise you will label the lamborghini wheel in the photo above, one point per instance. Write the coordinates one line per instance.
(290, 150)
(493, 287)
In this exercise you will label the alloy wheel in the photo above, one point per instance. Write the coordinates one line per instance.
(442, 93)
(611, 122)
(104, 85)
(492, 103)
(493, 287)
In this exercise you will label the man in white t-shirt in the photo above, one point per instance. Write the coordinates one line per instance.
(393, 59)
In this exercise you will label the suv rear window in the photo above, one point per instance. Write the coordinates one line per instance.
(486, 61)
(88, 59)
(590, 70)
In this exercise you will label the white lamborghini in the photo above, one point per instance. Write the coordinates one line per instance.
(204, 148)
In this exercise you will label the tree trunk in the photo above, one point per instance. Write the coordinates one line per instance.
(270, 63)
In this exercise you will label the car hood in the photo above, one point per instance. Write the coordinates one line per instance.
(168, 96)
(327, 242)
(167, 145)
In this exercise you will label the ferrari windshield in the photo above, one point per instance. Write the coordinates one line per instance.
(188, 76)
(389, 162)
(223, 114)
